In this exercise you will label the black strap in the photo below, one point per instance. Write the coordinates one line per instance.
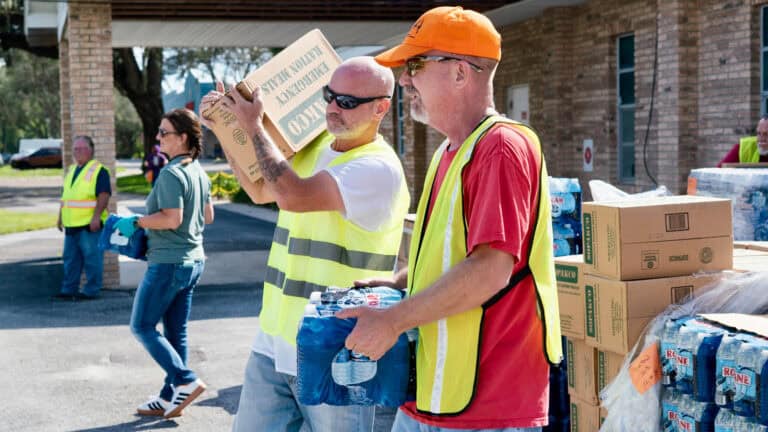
(514, 280)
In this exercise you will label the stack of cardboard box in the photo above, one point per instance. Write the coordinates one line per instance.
(639, 257)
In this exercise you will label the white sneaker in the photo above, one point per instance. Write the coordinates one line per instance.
(155, 406)
(183, 395)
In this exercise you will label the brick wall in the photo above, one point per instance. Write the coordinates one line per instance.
(706, 94)
(86, 94)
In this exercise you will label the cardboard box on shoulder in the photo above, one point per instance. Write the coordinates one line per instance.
(585, 417)
(590, 370)
(618, 311)
(294, 110)
(658, 237)
(569, 272)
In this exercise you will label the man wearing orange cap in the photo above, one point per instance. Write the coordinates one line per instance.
(481, 274)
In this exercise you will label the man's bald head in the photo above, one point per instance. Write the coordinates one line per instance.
(371, 78)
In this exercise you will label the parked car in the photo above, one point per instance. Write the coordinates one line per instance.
(46, 157)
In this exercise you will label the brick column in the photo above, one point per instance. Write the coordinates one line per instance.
(87, 101)
(676, 96)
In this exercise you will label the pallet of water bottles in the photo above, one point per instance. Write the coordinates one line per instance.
(715, 373)
(565, 197)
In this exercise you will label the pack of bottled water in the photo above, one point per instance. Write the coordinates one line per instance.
(330, 373)
(565, 197)
(736, 383)
(747, 189)
(751, 380)
(697, 344)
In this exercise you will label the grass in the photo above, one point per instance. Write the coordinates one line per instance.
(134, 184)
(7, 171)
(23, 221)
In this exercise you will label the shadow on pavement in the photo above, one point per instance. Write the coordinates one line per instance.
(227, 399)
(140, 424)
(27, 289)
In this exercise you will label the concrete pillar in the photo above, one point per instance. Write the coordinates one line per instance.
(87, 99)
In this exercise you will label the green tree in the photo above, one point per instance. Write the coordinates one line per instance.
(232, 64)
(128, 134)
(29, 87)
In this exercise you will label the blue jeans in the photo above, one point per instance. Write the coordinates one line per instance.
(166, 293)
(268, 402)
(404, 423)
(81, 250)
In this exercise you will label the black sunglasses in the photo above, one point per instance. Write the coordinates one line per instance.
(164, 132)
(414, 64)
(347, 102)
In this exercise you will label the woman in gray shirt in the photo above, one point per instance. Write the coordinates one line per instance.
(178, 208)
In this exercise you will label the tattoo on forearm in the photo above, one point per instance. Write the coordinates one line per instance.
(270, 168)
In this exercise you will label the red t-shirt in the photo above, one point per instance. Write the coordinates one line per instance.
(501, 186)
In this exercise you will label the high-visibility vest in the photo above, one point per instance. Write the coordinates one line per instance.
(448, 350)
(78, 201)
(312, 251)
(748, 150)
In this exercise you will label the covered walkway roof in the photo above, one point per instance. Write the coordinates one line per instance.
(193, 23)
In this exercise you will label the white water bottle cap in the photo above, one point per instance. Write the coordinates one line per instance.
(315, 297)
(310, 310)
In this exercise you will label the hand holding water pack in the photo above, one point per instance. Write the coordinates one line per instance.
(127, 225)
(330, 373)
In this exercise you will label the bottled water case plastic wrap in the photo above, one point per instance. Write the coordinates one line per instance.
(631, 411)
(748, 191)
(565, 197)
(330, 373)
(111, 240)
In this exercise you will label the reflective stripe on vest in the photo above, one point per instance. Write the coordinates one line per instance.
(314, 250)
(448, 350)
(748, 150)
(78, 200)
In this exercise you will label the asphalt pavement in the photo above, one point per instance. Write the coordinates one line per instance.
(75, 366)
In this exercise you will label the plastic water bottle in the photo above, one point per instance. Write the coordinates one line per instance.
(668, 352)
(697, 350)
(563, 239)
(725, 421)
(751, 381)
(669, 409)
(725, 364)
(330, 373)
(696, 416)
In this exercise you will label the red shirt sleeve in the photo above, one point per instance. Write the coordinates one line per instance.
(500, 189)
(731, 157)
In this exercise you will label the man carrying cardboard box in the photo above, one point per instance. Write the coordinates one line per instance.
(342, 201)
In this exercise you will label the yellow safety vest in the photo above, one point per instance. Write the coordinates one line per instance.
(448, 350)
(748, 151)
(78, 201)
(314, 250)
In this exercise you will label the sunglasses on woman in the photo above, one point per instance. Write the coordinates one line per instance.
(347, 102)
(164, 132)
(414, 64)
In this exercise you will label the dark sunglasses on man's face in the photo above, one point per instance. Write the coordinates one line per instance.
(164, 132)
(414, 64)
(347, 102)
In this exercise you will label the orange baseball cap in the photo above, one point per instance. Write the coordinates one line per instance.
(447, 28)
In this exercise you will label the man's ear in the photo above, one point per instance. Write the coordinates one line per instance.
(461, 74)
(382, 107)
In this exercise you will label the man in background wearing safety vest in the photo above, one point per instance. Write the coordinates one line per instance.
(81, 217)
(342, 200)
(750, 149)
(480, 272)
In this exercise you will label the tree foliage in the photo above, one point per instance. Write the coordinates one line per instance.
(228, 65)
(29, 89)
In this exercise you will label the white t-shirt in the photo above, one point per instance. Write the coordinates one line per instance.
(368, 187)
